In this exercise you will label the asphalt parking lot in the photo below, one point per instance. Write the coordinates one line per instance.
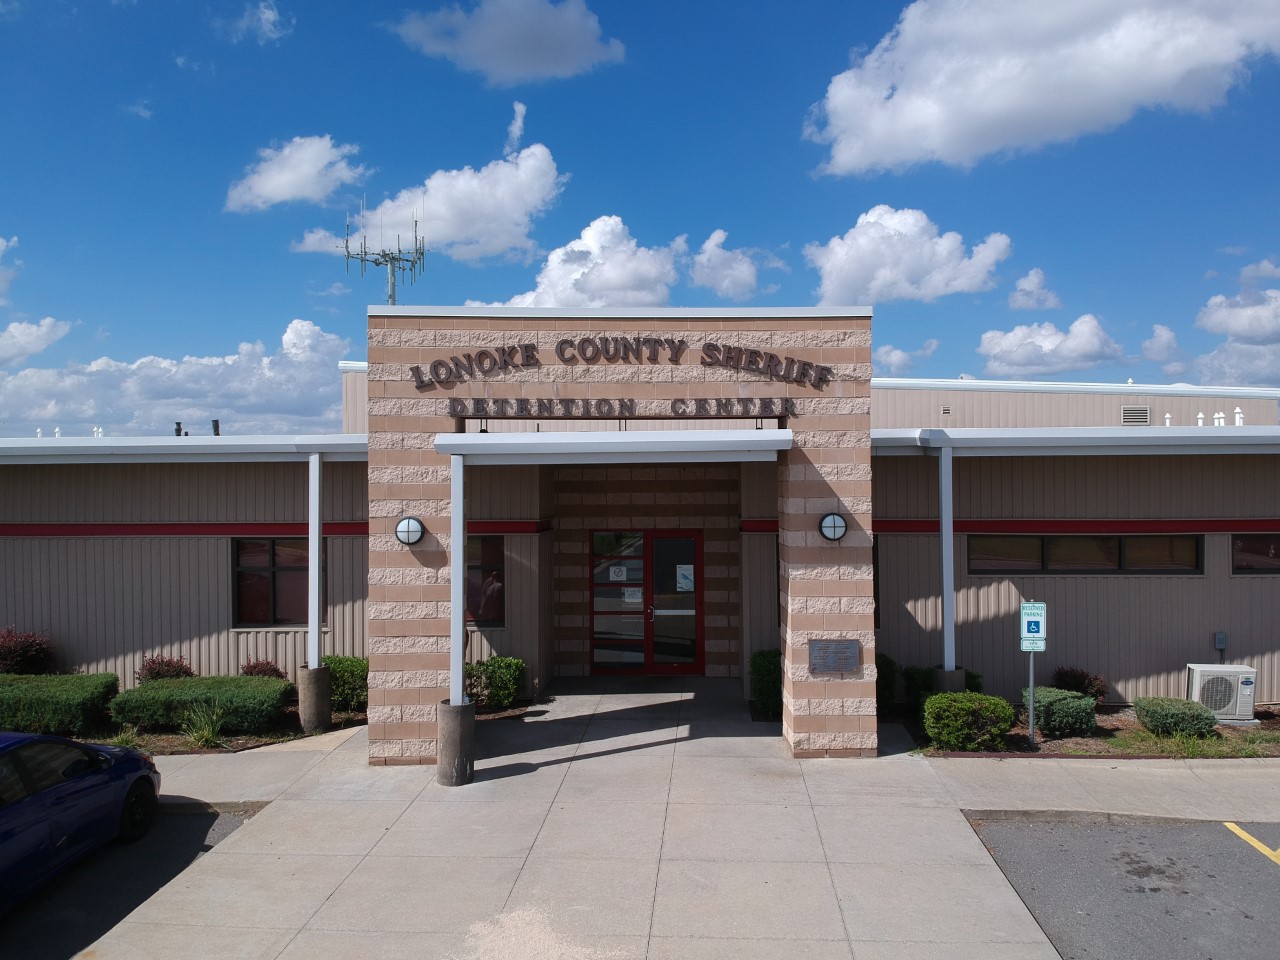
(1109, 888)
(74, 910)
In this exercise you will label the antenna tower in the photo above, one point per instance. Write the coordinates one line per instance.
(404, 261)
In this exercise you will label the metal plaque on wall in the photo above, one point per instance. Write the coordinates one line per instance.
(834, 656)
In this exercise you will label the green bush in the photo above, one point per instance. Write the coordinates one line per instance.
(1064, 713)
(25, 651)
(1166, 717)
(765, 671)
(917, 684)
(73, 706)
(495, 682)
(348, 682)
(967, 721)
(886, 680)
(248, 704)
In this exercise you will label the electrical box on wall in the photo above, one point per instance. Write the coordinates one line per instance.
(1219, 641)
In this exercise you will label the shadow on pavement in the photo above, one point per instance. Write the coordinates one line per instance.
(84, 903)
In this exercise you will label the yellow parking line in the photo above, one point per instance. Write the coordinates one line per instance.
(1262, 848)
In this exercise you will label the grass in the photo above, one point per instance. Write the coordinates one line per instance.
(1242, 744)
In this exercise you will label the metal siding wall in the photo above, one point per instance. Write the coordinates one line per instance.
(1139, 632)
(108, 602)
(760, 620)
(917, 408)
(520, 638)
(504, 493)
(905, 487)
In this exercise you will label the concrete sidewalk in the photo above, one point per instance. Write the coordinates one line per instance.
(616, 823)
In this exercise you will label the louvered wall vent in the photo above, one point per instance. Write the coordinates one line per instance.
(1135, 416)
(946, 410)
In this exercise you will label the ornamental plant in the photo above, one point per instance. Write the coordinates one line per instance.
(262, 668)
(348, 682)
(161, 667)
(25, 652)
(1081, 681)
(967, 721)
(765, 672)
(1167, 717)
(1064, 713)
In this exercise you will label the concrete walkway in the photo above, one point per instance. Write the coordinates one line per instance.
(632, 822)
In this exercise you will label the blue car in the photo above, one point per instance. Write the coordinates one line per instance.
(60, 799)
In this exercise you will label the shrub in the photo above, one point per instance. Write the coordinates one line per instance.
(917, 684)
(69, 705)
(494, 682)
(262, 668)
(1064, 713)
(348, 682)
(249, 704)
(161, 667)
(1165, 717)
(765, 671)
(26, 652)
(886, 679)
(1081, 681)
(967, 721)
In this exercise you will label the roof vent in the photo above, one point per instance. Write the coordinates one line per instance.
(1135, 416)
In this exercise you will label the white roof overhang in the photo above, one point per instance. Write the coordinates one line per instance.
(183, 449)
(1078, 441)
(649, 446)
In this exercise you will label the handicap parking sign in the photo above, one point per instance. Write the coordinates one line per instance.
(1034, 627)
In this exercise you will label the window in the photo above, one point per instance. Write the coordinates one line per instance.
(486, 581)
(49, 764)
(271, 582)
(1255, 553)
(1084, 554)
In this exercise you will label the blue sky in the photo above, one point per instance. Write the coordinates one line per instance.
(1086, 193)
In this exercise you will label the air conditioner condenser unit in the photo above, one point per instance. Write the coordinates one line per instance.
(1226, 690)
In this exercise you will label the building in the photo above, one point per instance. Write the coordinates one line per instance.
(645, 492)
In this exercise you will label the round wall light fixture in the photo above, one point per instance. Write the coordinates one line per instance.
(409, 531)
(833, 527)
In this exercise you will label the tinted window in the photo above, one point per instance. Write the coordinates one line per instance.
(48, 764)
(1255, 553)
(11, 786)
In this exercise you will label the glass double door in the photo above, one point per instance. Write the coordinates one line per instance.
(646, 602)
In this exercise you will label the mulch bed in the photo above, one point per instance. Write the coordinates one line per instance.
(1112, 722)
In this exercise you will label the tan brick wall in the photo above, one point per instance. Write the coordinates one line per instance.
(826, 587)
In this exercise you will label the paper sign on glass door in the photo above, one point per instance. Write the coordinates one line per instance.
(684, 578)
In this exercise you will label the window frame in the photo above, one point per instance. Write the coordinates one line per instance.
(1239, 571)
(474, 580)
(1122, 569)
(273, 568)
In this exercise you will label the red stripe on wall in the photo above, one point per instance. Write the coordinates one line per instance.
(1085, 527)
(507, 526)
(343, 528)
(759, 526)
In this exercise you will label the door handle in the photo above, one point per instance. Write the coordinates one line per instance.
(649, 612)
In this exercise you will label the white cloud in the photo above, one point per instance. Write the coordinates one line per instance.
(7, 273)
(140, 108)
(515, 130)
(1255, 272)
(296, 389)
(1162, 348)
(1030, 293)
(898, 255)
(465, 214)
(1041, 348)
(513, 41)
(305, 168)
(958, 80)
(21, 339)
(262, 22)
(605, 267)
(730, 273)
(891, 360)
(1233, 363)
(1251, 317)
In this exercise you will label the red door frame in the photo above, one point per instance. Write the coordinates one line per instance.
(697, 667)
